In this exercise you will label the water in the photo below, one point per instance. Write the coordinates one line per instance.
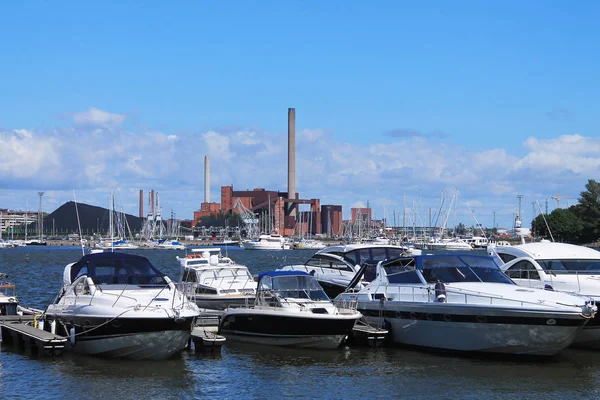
(248, 372)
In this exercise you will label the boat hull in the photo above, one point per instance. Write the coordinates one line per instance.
(476, 329)
(262, 246)
(589, 336)
(222, 302)
(323, 331)
(131, 338)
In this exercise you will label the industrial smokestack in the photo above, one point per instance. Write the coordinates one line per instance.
(206, 179)
(291, 158)
(141, 203)
(152, 201)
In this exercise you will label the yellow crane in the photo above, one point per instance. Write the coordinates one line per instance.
(558, 197)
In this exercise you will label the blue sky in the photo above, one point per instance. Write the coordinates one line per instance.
(394, 101)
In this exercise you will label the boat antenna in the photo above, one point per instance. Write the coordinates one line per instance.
(546, 222)
(79, 225)
(477, 222)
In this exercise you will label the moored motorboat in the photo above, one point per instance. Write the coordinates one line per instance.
(215, 282)
(267, 242)
(465, 303)
(290, 309)
(556, 266)
(8, 297)
(120, 305)
(335, 266)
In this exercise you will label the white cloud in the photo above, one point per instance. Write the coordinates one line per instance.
(411, 169)
(96, 117)
(24, 133)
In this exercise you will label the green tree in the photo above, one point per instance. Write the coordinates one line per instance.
(588, 211)
(460, 229)
(565, 225)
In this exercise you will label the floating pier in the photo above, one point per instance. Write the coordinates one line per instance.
(206, 340)
(19, 331)
(365, 334)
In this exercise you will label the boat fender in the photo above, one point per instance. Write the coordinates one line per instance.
(72, 336)
(41, 323)
(53, 327)
(440, 292)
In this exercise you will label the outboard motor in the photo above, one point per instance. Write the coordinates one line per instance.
(440, 292)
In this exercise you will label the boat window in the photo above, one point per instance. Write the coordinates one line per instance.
(299, 287)
(326, 262)
(523, 270)
(402, 272)
(462, 269)
(569, 266)
(394, 253)
(378, 253)
(506, 257)
(205, 290)
(134, 270)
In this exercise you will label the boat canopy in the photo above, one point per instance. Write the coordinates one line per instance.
(447, 268)
(292, 284)
(115, 268)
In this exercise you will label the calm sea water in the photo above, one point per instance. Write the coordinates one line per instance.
(255, 372)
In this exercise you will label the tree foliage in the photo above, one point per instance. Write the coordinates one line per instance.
(565, 225)
(577, 224)
(588, 211)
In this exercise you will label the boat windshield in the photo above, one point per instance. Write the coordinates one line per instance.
(321, 261)
(128, 270)
(570, 266)
(449, 269)
(295, 286)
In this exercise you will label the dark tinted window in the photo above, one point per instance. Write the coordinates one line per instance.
(402, 274)
(507, 257)
(523, 270)
(569, 265)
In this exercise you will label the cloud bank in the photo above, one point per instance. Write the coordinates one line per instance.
(411, 170)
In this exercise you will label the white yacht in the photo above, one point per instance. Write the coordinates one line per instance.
(309, 244)
(266, 242)
(215, 282)
(452, 244)
(556, 266)
(115, 244)
(169, 244)
(6, 244)
(465, 303)
(8, 297)
(120, 305)
(335, 266)
(290, 309)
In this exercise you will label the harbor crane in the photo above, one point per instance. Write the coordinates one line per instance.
(558, 197)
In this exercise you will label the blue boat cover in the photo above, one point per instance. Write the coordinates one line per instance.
(114, 265)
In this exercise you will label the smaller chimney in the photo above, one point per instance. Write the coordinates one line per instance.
(152, 201)
(141, 203)
(206, 179)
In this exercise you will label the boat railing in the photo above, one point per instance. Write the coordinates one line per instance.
(419, 293)
(346, 306)
(88, 288)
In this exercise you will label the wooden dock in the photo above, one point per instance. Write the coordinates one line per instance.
(19, 331)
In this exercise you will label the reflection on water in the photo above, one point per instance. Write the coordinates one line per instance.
(252, 371)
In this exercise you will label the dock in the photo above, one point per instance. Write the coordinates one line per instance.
(365, 334)
(19, 331)
(206, 340)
